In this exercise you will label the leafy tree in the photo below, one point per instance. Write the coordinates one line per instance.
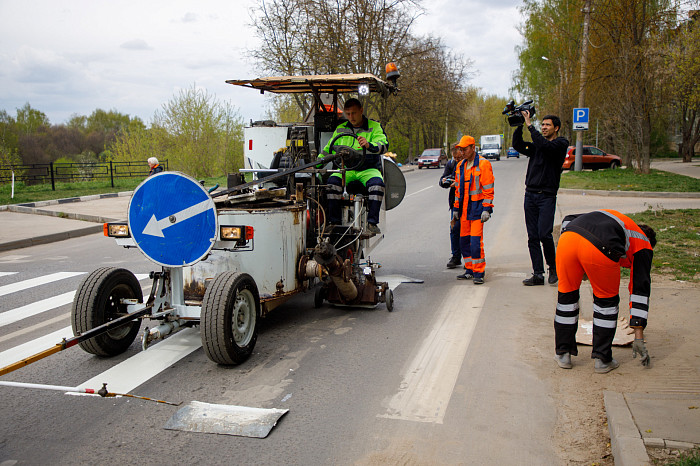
(30, 120)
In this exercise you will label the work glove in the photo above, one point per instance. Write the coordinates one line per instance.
(485, 216)
(455, 215)
(638, 347)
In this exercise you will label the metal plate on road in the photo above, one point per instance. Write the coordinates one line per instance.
(172, 219)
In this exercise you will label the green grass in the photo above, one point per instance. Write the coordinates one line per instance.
(43, 192)
(691, 458)
(625, 179)
(677, 251)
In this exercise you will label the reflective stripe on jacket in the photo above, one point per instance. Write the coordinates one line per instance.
(478, 182)
(618, 237)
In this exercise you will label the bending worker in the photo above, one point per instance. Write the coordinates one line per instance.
(598, 244)
(474, 204)
(371, 137)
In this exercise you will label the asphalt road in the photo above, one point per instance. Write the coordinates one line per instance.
(446, 378)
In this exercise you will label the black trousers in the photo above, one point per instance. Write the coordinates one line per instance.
(539, 221)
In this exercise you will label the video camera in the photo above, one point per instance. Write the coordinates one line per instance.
(515, 116)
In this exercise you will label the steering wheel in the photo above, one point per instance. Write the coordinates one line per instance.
(353, 158)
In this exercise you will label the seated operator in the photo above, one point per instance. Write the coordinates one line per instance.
(368, 175)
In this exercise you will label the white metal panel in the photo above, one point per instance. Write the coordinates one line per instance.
(260, 143)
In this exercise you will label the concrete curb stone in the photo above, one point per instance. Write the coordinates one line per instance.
(625, 440)
(45, 239)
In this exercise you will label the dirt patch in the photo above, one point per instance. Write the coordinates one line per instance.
(581, 433)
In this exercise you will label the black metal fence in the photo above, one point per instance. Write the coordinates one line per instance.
(37, 173)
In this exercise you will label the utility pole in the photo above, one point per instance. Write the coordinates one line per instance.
(578, 163)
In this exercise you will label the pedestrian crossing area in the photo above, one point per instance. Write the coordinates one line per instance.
(22, 301)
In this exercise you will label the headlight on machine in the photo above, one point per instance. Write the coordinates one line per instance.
(116, 230)
(238, 233)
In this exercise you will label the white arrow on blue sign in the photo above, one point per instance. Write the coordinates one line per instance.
(172, 219)
(581, 119)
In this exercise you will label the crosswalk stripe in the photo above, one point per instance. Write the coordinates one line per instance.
(5, 274)
(33, 328)
(129, 374)
(25, 350)
(32, 282)
(429, 380)
(35, 308)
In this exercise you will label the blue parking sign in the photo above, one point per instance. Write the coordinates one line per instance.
(581, 119)
(172, 219)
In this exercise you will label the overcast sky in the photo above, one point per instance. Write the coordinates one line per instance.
(73, 56)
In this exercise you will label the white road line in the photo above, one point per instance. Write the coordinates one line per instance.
(141, 367)
(419, 191)
(32, 282)
(35, 308)
(429, 380)
(5, 274)
(25, 350)
(31, 329)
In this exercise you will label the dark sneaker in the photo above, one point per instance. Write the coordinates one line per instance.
(478, 280)
(604, 368)
(465, 276)
(374, 229)
(454, 263)
(553, 278)
(534, 280)
(564, 360)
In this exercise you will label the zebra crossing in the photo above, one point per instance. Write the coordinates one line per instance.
(123, 377)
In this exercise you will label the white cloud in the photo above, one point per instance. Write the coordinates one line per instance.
(73, 57)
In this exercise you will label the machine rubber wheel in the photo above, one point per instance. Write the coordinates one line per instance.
(229, 319)
(389, 299)
(97, 301)
(319, 296)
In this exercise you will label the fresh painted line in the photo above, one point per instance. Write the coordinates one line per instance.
(30, 348)
(13, 315)
(395, 280)
(5, 274)
(141, 367)
(419, 191)
(43, 323)
(429, 380)
(32, 282)
(44, 305)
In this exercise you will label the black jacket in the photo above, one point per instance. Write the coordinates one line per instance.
(546, 159)
(449, 172)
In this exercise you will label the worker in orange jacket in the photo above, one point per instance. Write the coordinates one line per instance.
(597, 244)
(474, 205)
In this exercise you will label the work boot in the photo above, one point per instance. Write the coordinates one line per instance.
(604, 368)
(454, 262)
(536, 279)
(553, 278)
(467, 275)
(478, 280)
(374, 229)
(564, 360)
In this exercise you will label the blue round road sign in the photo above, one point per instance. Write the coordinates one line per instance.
(172, 219)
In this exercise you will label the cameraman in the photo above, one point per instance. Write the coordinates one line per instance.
(447, 180)
(546, 155)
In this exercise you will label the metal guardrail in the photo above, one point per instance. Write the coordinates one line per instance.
(36, 173)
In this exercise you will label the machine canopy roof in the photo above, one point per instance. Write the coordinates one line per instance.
(330, 83)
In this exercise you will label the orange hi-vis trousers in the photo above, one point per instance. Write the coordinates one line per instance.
(576, 256)
(471, 242)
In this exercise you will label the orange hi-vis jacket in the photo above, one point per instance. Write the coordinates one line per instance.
(620, 239)
(478, 182)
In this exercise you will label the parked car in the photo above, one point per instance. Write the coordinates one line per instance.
(593, 158)
(513, 153)
(432, 158)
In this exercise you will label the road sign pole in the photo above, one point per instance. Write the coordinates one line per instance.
(578, 162)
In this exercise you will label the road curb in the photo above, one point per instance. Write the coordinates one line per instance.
(662, 194)
(626, 442)
(45, 239)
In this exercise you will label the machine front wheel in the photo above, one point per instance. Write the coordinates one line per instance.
(98, 301)
(229, 318)
(389, 298)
